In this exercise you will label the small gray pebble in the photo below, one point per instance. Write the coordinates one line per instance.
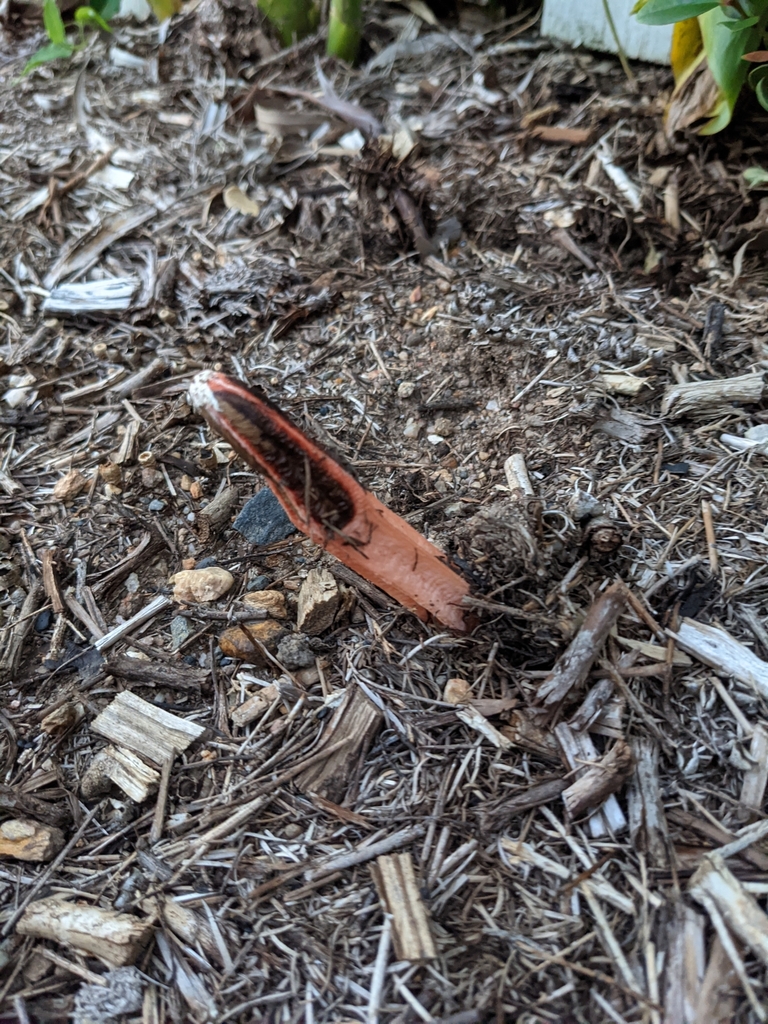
(294, 652)
(206, 563)
(258, 583)
(156, 505)
(263, 520)
(180, 630)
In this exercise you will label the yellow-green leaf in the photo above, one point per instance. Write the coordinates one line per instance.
(686, 46)
(164, 9)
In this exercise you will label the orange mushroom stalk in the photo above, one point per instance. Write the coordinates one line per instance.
(324, 501)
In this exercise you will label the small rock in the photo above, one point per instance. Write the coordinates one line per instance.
(583, 504)
(412, 428)
(443, 426)
(405, 389)
(457, 691)
(263, 520)
(28, 840)
(254, 706)
(156, 505)
(319, 600)
(43, 620)
(242, 642)
(121, 993)
(63, 718)
(192, 585)
(258, 583)
(435, 438)
(294, 652)
(205, 563)
(270, 601)
(181, 630)
(69, 486)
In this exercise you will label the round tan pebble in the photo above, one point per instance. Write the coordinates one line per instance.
(245, 642)
(69, 486)
(270, 601)
(193, 585)
(457, 691)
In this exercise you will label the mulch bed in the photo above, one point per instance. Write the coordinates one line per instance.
(496, 313)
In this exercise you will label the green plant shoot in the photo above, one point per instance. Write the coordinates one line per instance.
(345, 22)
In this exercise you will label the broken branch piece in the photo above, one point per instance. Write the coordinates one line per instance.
(324, 501)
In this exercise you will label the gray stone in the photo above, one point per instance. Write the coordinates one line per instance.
(263, 520)
(294, 652)
(180, 630)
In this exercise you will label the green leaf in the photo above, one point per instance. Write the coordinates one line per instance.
(106, 8)
(88, 16)
(53, 51)
(761, 91)
(740, 24)
(54, 26)
(666, 12)
(756, 75)
(756, 176)
(724, 51)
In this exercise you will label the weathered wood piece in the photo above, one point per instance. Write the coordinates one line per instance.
(715, 884)
(755, 779)
(110, 295)
(717, 997)
(732, 910)
(573, 666)
(496, 814)
(599, 781)
(647, 823)
(155, 606)
(684, 967)
(81, 253)
(212, 519)
(703, 396)
(254, 706)
(717, 834)
(50, 582)
(364, 853)
(526, 729)
(319, 600)
(355, 719)
(123, 768)
(479, 723)
(147, 730)
(116, 939)
(717, 648)
(155, 673)
(150, 542)
(592, 706)
(579, 753)
(24, 839)
(398, 889)
(17, 634)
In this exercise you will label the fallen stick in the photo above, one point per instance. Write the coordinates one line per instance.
(573, 667)
(324, 501)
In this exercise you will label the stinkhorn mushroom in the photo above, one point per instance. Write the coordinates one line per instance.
(325, 502)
